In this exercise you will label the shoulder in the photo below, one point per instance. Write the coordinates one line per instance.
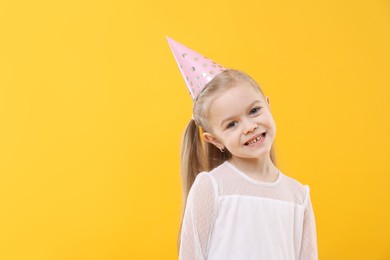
(207, 181)
(203, 194)
(294, 184)
(300, 191)
(204, 183)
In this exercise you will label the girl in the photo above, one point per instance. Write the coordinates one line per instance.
(237, 203)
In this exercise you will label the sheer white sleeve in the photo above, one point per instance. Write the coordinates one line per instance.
(309, 250)
(199, 216)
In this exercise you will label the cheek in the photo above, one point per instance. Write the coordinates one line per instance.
(234, 138)
(270, 121)
(273, 124)
(230, 138)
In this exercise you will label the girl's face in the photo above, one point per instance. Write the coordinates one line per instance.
(240, 120)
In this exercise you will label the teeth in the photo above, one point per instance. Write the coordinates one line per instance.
(255, 140)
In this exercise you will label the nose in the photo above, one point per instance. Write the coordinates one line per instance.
(249, 127)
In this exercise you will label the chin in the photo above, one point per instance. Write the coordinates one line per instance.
(252, 156)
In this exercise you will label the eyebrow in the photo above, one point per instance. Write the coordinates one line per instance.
(230, 118)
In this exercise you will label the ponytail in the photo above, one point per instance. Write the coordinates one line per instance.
(192, 162)
(192, 157)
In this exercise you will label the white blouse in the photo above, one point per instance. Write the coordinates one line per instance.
(229, 215)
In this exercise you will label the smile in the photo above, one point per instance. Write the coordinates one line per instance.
(257, 139)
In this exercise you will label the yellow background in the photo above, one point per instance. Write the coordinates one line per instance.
(92, 108)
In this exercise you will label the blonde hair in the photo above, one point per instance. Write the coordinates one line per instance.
(196, 155)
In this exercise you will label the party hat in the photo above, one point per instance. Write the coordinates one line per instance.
(196, 69)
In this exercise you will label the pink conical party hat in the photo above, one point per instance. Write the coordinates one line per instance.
(197, 70)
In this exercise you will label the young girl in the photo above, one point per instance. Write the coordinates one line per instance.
(237, 203)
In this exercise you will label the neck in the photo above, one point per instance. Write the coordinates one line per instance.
(260, 168)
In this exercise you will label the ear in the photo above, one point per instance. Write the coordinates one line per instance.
(210, 138)
(268, 102)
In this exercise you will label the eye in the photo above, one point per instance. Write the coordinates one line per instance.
(255, 110)
(231, 124)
